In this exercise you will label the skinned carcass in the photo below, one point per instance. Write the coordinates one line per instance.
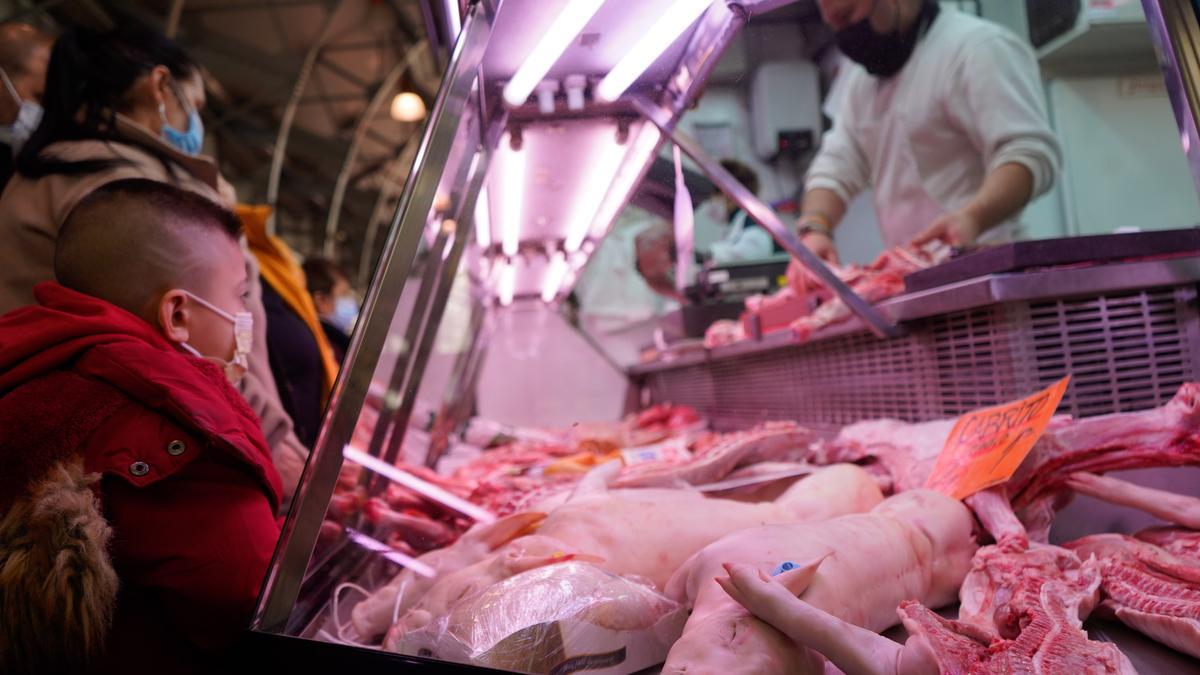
(860, 567)
(646, 533)
(651, 532)
(1052, 641)
(1153, 589)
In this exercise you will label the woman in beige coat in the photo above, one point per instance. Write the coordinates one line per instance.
(123, 104)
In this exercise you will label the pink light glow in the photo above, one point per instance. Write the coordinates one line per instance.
(641, 147)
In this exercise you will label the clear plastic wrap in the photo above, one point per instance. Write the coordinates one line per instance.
(560, 618)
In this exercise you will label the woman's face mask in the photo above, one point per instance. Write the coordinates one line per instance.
(345, 313)
(191, 141)
(243, 339)
(29, 116)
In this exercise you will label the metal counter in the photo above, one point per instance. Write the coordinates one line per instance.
(1129, 333)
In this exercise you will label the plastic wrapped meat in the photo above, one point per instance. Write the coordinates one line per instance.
(560, 618)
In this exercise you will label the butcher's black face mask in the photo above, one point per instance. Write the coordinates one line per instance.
(884, 55)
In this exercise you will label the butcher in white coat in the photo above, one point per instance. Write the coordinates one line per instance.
(743, 239)
(943, 115)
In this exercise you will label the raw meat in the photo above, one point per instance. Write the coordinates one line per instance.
(651, 532)
(880, 280)
(1181, 542)
(858, 567)
(1164, 436)
(1001, 593)
(813, 306)
(1151, 589)
(776, 311)
(375, 614)
(1053, 642)
(773, 441)
(723, 332)
(907, 451)
(1178, 509)
(415, 528)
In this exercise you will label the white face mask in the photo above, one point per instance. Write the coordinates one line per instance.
(243, 337)
(29, 116)
(345, 314)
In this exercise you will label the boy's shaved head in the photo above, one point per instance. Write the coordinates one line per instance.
(130, 241)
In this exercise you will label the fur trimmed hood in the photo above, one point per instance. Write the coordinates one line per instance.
(55, 575)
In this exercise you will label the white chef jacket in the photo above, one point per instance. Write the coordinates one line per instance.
(744, 241)
(969, 100)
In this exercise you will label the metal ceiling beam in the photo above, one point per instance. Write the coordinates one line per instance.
(172, 25)
(289, 112)
(382, 94)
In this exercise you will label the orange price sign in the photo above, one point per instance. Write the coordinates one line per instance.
(986, 446)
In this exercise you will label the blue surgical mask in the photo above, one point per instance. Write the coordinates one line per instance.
(29, 116)
(191, 141)
(345, 314)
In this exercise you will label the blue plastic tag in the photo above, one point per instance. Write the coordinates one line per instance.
(784, 567)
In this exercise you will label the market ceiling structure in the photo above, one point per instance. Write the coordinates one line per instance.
(300, 100)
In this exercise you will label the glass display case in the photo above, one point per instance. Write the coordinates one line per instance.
(550, 116)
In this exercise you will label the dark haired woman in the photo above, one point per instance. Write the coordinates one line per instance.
(123, 104)
(120, 104)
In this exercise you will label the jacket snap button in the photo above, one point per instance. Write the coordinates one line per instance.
(139, 468)
(176, 448)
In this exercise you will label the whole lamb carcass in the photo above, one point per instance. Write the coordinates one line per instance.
(858, 567)
(1050, 643)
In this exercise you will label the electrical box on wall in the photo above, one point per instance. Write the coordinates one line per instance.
(785, 109)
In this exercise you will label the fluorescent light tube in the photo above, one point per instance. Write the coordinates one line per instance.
(507, 283)
(513, 181)
(664, 32)
(595, 188)
(554, 41)
(555, 274)
(483, 223)
(422, 487)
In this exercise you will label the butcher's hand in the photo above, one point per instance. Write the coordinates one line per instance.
(958, 228)
(820, 243)
(856, 651)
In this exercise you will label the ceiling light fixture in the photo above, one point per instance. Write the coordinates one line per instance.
(408, 107)
(554, 41)
(655, 40)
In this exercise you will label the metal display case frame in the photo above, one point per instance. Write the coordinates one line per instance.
(436, 213)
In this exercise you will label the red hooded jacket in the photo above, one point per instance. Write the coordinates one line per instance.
(187, 484)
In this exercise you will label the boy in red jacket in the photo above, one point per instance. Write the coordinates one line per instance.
(126, 458)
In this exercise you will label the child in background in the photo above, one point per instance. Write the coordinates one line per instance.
(138, 492)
